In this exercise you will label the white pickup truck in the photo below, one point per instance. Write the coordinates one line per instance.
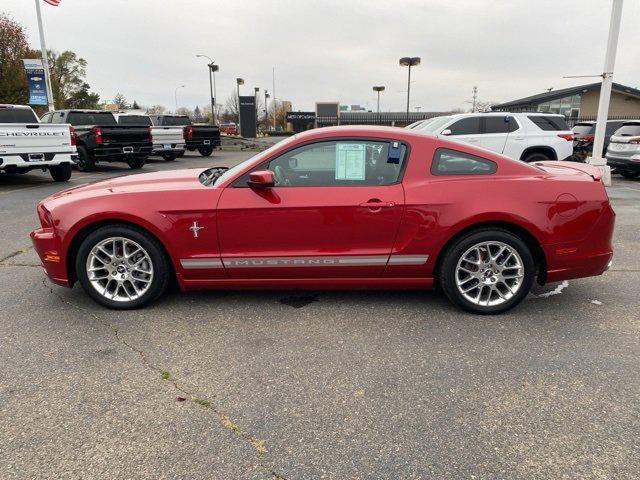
(168, 142)
(26, 144)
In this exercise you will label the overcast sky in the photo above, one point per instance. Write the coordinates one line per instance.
(337, 50)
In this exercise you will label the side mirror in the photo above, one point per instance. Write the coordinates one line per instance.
(446, 131)
(261, 179)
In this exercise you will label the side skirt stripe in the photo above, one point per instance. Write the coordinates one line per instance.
(311, 261)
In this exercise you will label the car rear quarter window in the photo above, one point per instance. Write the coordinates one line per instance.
(452, 162)
(103, 119)
(549, 122)
(466, 126)
(175, 121)
(17, 115)
(628, 130)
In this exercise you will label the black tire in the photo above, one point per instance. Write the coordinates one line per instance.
(447, 273)
(628, 174)
(85, 162)
(170, 157)
(60, 173)
(191, 149)
(205, 151)
(160, 261)
(136, 163)
(535, 157)
(181, 154)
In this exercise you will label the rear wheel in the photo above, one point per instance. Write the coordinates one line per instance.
(60, 173)
(205, 151)
(487, 271)
(122, 267)
(535, 157)
(136, 163)
(628, 174)
(85, 162)
(170, 157)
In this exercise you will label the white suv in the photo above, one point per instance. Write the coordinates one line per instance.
(522, 136)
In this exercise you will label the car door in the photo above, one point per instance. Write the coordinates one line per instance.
(467, 129)
(334, 211)
(495, 132)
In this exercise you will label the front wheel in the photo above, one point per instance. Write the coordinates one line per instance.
(136, 163)
(205, 151)
(122, 267)
(487, 271)
(60, 173)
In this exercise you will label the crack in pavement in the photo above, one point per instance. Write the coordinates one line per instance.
(258, 444)
(16, 253)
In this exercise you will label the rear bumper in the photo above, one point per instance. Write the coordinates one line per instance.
(203, 142)
(15, 162)
(47, 246)
(625, 163)
(176, 147)
(118, 151)
(589, 257)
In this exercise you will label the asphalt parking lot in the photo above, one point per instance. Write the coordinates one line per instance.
(299, 385)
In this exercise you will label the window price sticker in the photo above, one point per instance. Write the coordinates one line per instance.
(350, 161)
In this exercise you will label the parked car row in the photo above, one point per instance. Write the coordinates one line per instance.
(63, 138)
(534, 136)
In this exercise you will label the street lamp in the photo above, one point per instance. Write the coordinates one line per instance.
(213, 68)
(255, 104)
(409, 62)
(175, 96)
(379, 88)
(266, 110)
(239, 81)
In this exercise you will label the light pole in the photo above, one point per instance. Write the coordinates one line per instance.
(213, 68)
(379, 88)
(175, 96)
(255, 103)
(266, 110)
(409, 62)
(239, 81)
(605, 93)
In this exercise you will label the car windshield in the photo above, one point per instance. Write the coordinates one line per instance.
(434, 124)
(134, 120)
(232, 172)
(584, 129)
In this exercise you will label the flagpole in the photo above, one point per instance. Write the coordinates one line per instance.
(45, 60)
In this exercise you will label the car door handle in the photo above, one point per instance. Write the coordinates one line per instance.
(375, 203)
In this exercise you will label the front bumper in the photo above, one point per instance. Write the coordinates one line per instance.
(47, 245)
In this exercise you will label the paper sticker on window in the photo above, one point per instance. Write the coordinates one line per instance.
(350, 161)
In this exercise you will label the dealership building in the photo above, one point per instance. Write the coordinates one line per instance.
(578, 102)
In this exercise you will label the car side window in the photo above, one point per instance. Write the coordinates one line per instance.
(466, 126)
(499, 124)
(57, 117)
(46, 118)
(337, 163)
(452, 162)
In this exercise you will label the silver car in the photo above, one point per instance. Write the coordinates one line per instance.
(624, 150)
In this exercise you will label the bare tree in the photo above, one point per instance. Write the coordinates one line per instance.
(156, 110)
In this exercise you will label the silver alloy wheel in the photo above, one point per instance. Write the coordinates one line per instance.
(489, 273)
(119, 269)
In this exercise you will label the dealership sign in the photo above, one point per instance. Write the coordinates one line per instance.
(36, 81)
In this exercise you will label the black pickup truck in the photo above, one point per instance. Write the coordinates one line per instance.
(99, 138)
(199, 136)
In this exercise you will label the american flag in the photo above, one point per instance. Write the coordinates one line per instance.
(55, 3)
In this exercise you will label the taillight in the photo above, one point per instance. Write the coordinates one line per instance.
(634, 140)
(567, 136)
(188, 131)
(72, 135)
(150, 134)
(97, 134)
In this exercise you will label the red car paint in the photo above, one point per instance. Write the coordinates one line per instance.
(309, 234)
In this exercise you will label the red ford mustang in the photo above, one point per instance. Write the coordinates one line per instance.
(343, 207)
